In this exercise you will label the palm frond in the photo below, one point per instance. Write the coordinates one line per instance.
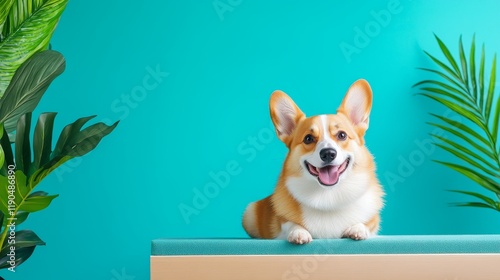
(463, 62)
(467, 90)
(477, 195)
(476, 204)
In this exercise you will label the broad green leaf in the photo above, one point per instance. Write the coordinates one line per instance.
(26, 242)
(480, 179)
(45, 170)
(2, 153)
(36, 202)
(24, 238)
(28, 85)
(21, 217)
(448, 56)
(65, 138)
(22, 189)
(463, 62)
(7, 150)
(23, 147)
(3, 196)
(32, 35)
(73, 142)
(472, 59)
(491, 89)
(2, 157)
(20, 11)
(5, 6)
(478, 195)
(89, 138)
(21, 256)
(42, 139)
(475, 204)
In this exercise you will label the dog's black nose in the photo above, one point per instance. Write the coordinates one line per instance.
(328, 155)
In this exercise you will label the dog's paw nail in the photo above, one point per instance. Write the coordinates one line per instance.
(299, 236)
(357, 232)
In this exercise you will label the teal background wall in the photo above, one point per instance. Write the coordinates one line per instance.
(191, 85)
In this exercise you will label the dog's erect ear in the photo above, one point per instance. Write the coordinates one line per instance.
(285, 115)
(357, 105)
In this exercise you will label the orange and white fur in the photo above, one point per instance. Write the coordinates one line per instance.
(328, 187)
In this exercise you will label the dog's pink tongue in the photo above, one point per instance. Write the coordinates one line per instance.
(329, 175)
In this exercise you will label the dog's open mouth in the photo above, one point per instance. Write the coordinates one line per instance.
(328, 175)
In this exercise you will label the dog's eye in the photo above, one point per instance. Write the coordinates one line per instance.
(341, 135)
(308, 139)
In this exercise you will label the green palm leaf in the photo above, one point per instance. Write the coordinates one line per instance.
(463, 128)
(491, 89)
(481, 80)
(467, 156)
(468, 91)
(472, 59)
(445, 87)
(448, 55)
(442, 75)
(477, 195)
(469, 140)
(27, 29)
(474, 175)
(496, 118)
(463, 62)
(476, 204)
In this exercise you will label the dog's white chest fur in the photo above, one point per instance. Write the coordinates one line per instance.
(333, 224)
(328, 213)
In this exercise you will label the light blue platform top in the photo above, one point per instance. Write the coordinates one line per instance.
(416, 244)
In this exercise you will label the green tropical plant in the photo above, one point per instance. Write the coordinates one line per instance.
(465, 88)
(26, 27)
(26, 71)
(25, 166)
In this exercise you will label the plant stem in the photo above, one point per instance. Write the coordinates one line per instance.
(3, 236)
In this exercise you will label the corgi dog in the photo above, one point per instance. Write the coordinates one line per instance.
(327, 187)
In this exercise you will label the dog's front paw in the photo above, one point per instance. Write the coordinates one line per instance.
(357, 232)
(299, 236)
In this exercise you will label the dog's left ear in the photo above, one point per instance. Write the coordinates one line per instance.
(357, 105)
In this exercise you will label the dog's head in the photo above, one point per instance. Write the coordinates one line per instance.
(323, 148)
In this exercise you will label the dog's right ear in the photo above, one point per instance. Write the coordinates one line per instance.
(285, 115)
